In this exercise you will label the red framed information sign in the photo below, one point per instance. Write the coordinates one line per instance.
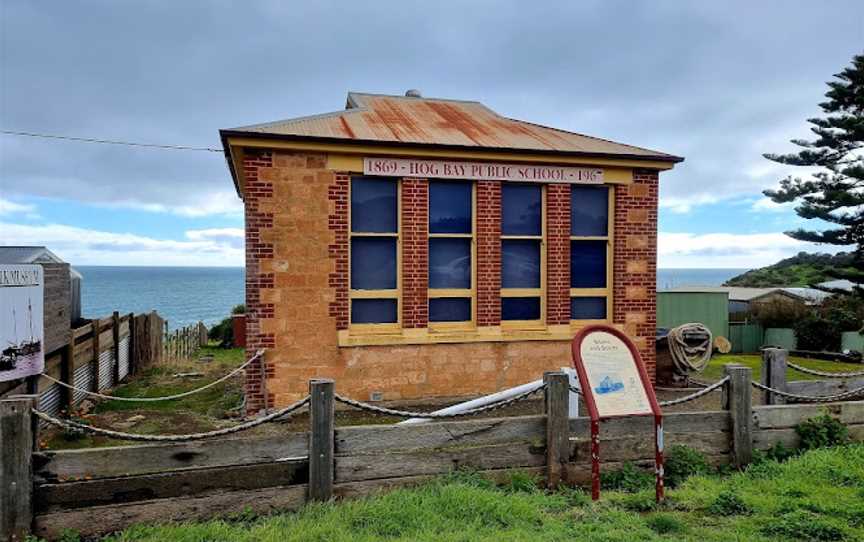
(615, 384)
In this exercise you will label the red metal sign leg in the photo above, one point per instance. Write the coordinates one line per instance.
(658, 456)
(595, 460)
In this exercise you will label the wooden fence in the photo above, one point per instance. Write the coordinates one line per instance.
(95, 357)
(181, 344)
(94, 491)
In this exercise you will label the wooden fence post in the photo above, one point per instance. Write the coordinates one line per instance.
(95, 332)
(67, 374)
(738, 403)
(16, 468)
(115, 323)
(773, 375)
(321, 439)
(557, 427)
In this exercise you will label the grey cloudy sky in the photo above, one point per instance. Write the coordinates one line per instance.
(717, 82)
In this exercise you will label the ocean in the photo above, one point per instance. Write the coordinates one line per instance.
(185, 295)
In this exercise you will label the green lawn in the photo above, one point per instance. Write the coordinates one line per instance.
(714, 371)
(816, 496)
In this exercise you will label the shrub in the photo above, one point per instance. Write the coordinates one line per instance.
(729, 504)
(521, 482)
(780, 313)
(239, 309)
(681, 462)
(821, 432)
(816, 332)
(665, 524)
(778, 452)
(801, 525)
(222, 332)
(627, 478)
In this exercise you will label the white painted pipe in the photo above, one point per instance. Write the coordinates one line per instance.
(503, 396)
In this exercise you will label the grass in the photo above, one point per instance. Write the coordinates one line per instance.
(714, 371)
(816, 496)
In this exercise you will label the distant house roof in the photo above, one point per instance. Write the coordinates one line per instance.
(812, 295)
(434, 121)
(737, 293)
(841, 284)
(22, 255)
(26, 255)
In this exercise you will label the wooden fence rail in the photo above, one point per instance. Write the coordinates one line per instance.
(95, 491)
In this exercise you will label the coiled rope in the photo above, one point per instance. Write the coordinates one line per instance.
(84, 428)
(826, 374)
(156, 399)
(432, 415)
(686, 358)
(810, 398)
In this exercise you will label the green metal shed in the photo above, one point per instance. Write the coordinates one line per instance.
(683, 307)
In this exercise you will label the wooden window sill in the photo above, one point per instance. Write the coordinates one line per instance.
(351, 337)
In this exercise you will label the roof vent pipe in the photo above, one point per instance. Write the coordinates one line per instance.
(413, 93)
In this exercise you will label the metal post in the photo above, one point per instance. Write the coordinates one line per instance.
(595, 460)
(658, 458)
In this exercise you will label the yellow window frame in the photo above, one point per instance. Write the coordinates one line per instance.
(471, 293)
(389, 327)
(610, 244)
(515, 325)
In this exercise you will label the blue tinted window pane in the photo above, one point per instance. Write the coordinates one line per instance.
(373, 205)
(589, 210)
(373, 311)
(587, 264)
(520, 308)
(521, 209)
(587, 308)
(450, 309)
(520, 263)
(449, 207)
(373, 263)
(449, 263)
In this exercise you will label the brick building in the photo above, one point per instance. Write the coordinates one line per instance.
(414, 248)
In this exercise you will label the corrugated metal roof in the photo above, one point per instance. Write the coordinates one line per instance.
(24, 255)
(413, 120)
(736, 293)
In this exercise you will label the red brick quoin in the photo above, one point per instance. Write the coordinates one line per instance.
(635, 262)
(558, 254)
(257, 221)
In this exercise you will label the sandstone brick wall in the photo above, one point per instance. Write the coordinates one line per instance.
(297, 287)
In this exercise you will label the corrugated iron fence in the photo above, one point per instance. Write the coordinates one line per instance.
(97, 356)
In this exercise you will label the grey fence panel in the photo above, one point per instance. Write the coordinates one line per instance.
(49, 400)
(123, 369)
(82, 378)
(106, 369)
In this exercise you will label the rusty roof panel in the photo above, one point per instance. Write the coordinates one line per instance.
(402, 119)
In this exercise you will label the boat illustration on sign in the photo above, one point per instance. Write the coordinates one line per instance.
(16, 349)
(609, 384)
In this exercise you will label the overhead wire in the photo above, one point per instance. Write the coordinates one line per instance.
(110, 141)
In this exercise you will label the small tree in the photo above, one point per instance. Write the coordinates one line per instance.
(836, 194)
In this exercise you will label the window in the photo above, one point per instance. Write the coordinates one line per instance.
(590, 252)
(374, 252)
(522, 230)
(451, 249)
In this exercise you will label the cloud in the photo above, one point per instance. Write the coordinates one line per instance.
(730, 250)
(8, 207)
(684, 205)
(231, 236)
(766, 204)
(83, 246)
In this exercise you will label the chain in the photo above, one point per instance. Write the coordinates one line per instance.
(432, 415)
(826, 374)
(155, 399)
(83, 428)
(715, 386)
(810, 398)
